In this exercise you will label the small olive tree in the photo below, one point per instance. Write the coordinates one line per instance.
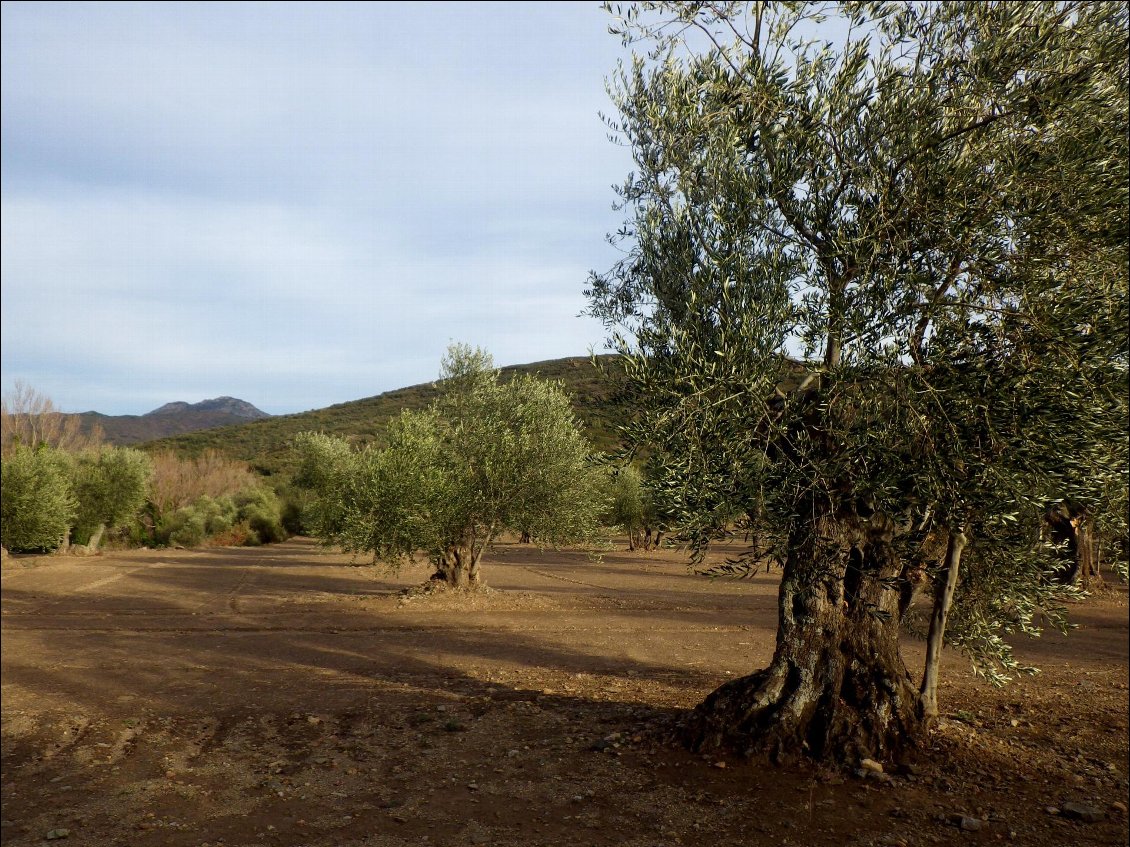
(633, 508)
(487, 457)
(110, 486)
(37, 505)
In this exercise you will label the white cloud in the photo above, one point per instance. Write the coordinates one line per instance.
(296, 204)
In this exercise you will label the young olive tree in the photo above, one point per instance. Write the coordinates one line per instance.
(632, 508)
(874, 297)
(628, 508)
(487, 457)
(111, 486)
(36, 502)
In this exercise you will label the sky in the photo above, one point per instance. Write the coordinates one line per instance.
(296, 204)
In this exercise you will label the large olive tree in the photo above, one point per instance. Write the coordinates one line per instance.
(487, 457)
(874, 298)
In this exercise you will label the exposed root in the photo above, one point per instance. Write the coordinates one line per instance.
(769, 714)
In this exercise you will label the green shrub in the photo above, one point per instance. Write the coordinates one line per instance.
(292, 516)
(36, 506)
(205, 517)
(261, 509)
(185, 528)
(250, 517)
(295, 502)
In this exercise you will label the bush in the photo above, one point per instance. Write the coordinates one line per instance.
(249, 517)
(295, 504)
(261, 510)
(178, 482)
(36, 506)
(239, 535)
(204, 518)
(292, 516)
(210, 498)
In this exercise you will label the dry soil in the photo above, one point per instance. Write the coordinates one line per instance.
(282, 696)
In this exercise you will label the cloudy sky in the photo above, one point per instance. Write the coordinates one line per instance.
(296, 204)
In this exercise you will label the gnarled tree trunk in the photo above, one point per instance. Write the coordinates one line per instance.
(837, 687)
(458, 567)
(1086, 554)
(95, 542)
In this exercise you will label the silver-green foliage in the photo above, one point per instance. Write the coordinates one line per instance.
(488, 456)
(629, 501)
(206, 516)
(255, 511)
(110, 485)
(36, 502)
(888, 276)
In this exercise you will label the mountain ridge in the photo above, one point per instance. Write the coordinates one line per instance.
(224, 405)
(171, 419)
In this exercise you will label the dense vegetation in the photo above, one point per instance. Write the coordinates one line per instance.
(208, 485)
(62, 487)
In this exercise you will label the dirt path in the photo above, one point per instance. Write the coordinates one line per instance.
(279, 696)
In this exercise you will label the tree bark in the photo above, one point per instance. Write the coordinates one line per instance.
(1070, 525)
(455, 568)
(458, 567)
(943, 598)
(1086, 554)
(837, 687)
(96, 539)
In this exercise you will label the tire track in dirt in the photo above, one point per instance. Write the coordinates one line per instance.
(47, 602)
(98, 583)
(73, 732)
(248, 577)
(566, 579)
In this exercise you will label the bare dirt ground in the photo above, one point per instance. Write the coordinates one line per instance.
(279, 696)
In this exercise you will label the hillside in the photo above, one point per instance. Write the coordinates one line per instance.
(171, 419)
(265, 442)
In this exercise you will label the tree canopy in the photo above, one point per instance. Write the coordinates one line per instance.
(874, 297)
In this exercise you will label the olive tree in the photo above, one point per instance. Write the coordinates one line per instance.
(487, 457)
(632, 507)
(110, 486)
(628, 508)
(874, 297)
(36, 502)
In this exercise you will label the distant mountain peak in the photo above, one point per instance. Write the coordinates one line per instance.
(170, 409)
(226, 405)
